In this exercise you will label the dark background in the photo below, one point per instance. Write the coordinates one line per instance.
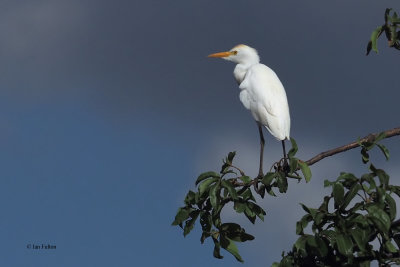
(110, 109)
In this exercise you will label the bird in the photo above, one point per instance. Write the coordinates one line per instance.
(262, 93)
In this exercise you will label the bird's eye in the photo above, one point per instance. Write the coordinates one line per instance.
(234, 52)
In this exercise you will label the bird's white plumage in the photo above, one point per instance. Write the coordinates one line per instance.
(261, 90)
(263, 94)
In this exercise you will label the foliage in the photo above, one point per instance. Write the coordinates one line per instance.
(390, 28)
(354, 225)
(232, 185)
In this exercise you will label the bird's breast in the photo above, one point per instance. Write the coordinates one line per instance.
(239, 73)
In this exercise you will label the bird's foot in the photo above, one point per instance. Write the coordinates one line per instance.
(286, 167)
(281, 166)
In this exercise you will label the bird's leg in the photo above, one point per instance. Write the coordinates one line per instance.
(262, 142)
(285, 162)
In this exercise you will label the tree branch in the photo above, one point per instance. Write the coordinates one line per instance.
(322, 155)
(368, 138)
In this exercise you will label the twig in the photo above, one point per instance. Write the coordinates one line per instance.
(368, 138)
(320, 156)
(241, 172)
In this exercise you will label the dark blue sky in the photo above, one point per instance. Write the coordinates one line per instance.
(110, 109)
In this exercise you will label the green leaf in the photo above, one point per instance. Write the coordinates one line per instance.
(190, 223)
(302, 224)
(361, 237)
(204, 236)
(345, 244)
(300, 245)
(391, 206)
(369, 177)
(235, 232)
(330, 235)
(380, 136)
(324, 205)
(206, 221)
(243, 237)
(395, 189)
(287, 261)
(379, 217)
(231, 155)
(230, 188)
(230, 246)
(387, 12)
(270, 191)
(207, 175)
(347, 176)
(368, 145)
(204, 186)
(366, 263)
(384, 150)
(257, 210)
(217, 249)
(261, 191)
(190, 198)
(293, 163)
(338, 194)
(225, 168)
(250, 214)
(383, 177)
(231, 227)
(293, 150)
(239, 206)
(245, 179)
(328, 183)
(359, 219)
(365, 155)
(350, 195)
(381, 195)
(305, 170)
(390, 247)
(181, 215)
(393, 35)
(299, 228)
(374, 36)
(318, 245)
(214, 196)
(358, 206)
(246, 195)
(319, 217)
(312, 212)
(369, 47)
(282, 182)
(267, 179)
(305, 208)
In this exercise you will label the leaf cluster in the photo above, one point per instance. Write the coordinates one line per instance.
(359, 212)
(214, 192)
(390, 28)
(232, 185)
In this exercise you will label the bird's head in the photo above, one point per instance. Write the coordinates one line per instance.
(240, 54)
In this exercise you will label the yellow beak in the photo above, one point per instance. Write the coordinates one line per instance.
(221, 54)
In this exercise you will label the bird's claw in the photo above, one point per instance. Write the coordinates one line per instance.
(281, 166)
(286, 167)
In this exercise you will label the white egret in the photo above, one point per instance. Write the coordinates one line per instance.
(262, 93)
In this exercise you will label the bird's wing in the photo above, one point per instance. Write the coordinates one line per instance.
(263, 93)
(245, 99)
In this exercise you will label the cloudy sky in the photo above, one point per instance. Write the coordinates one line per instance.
(109, 110)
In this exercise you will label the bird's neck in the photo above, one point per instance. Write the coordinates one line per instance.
(240, 71)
